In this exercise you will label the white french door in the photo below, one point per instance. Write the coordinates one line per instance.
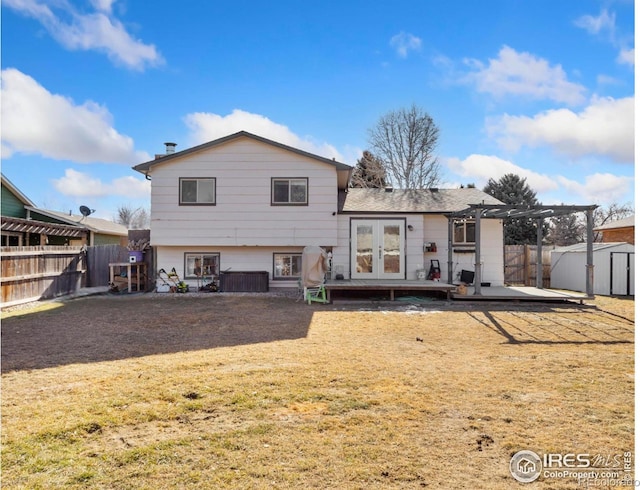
(377, 249)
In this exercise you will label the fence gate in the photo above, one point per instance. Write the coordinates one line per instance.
(520, 265)
(622, 274)
(98, 259)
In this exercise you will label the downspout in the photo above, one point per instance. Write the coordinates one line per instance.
(478, 274)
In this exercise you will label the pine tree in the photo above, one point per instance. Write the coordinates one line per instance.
(369, 172)
(514, 190)
(566, 230)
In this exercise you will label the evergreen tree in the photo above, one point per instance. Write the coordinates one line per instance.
(514, 190)
(566, 230)
(369, 172)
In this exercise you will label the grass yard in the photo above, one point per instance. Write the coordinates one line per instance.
(224, 391)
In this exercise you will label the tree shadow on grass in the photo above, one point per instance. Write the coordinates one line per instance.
(568, 324)
(108, 328)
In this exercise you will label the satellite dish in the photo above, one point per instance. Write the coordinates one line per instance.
(85, 211)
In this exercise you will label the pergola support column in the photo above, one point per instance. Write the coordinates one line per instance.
(478, 274)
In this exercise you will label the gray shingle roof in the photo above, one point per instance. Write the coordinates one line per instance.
(411, 201)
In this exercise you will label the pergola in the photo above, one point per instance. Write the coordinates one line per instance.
(505, 211)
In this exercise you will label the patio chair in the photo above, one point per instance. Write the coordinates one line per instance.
(316, 294)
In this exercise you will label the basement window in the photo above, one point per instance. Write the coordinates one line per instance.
(201, 265)
(287, 266)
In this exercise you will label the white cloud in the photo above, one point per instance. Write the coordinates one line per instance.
(207, 126)
(80, 184)
(604, 23)
(605, 127)
(598, 188)
(480, 168)
(36, 121)
(523, 75)
(627, 57)
(92, 31)
(405, 42)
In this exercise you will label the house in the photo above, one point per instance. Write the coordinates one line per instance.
(247, 203)
(24, 224)
(622, 230)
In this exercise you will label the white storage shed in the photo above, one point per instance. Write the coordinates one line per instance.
(613, 268)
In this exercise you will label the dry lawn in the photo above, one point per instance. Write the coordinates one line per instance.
(224, 391)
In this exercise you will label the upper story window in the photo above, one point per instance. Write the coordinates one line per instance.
(464, 231)
(197, 191)
(289, 192)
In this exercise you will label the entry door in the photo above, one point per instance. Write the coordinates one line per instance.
(377, 249)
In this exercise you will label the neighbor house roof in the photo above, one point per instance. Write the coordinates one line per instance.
(621, 223)
(97, 225)
(357, 200)
(144, 167)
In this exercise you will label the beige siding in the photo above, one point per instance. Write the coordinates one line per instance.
(231, 258)
(491, 249)
(243, 214)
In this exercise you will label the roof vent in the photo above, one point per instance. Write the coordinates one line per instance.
(388, 189)
(171, 147)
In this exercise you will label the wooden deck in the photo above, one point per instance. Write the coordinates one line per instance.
(388, 285)
(495, 293)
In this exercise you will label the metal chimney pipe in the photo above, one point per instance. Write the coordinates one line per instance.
(171, 147)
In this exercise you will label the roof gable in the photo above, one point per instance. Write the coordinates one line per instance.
(146, 166)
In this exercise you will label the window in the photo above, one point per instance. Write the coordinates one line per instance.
(287, 266)
(292, 192)
(464, 231)
(197, 191)
(201, 265)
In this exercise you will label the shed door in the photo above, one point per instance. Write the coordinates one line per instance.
(622, 273)
(377, 249)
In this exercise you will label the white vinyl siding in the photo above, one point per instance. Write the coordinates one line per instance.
(243, 214)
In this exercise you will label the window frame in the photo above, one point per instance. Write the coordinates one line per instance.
(201, 255)
(289, 202)
(277, 277)
(196, 179)
(471, 241)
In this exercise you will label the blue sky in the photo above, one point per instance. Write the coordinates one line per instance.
(544, 88)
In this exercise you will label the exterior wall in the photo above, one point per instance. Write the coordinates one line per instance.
(568, 269)
(243, 214)
(11, 205)
(491, 249)
(431, 228)
(231, 258)
(619, 235)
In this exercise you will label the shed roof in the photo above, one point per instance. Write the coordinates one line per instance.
(597, 247)
(439, 201)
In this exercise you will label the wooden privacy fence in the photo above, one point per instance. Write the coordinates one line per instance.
(520, 265)
(32, 273)
(98, 260)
